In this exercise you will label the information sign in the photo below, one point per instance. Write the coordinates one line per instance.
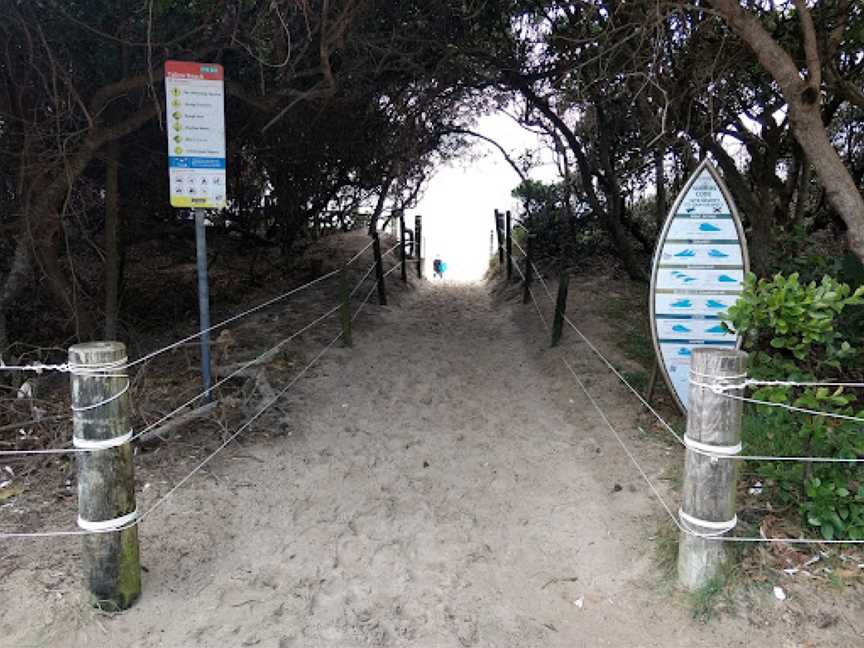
(195, 123)
(698, 273)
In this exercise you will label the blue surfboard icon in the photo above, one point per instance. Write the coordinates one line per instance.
(682, 303)
(684, 352)
(716, 329)
(713, 303)
(686, 253)
(717, 254)
(726, 279)
(680, 328)
(708, 227)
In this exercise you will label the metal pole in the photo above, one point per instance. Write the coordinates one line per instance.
(708, 495)
(203, 299)
(106, 475)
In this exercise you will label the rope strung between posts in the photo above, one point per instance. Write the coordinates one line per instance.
(370, 269)
(721, 390)
(359, 254)
(89, 370)
(134, 518)
(682, 521)
(274, 349)
(38, 367)
(682, 439)
(531, 293)
(609, 364)
(254, 309)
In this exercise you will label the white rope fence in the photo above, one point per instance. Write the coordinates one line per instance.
(680, 520)
(191, 401)
(135, 518)
(39, 368)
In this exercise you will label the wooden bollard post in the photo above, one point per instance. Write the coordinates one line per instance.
(345, 307)
(499, 227)
(526, 282)
(402, 243)
(418, 244)
(379, 269)
(106, 478)
(509, 246)
(560, 306)
(708, 495)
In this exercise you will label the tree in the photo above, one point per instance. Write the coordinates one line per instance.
(803, 91)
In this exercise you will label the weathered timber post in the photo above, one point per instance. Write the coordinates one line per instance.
(560, 306)
(499, 226)
(509, 247)
(418, 244)
(106, 478)
(402, 243)
(708, 495)
(652, 381)
(379, 269)
(526, 282)
(345, 307)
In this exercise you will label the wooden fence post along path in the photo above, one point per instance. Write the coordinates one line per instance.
(526, 282)
(509, 241)
(499, 226)
(708, 495)
(418, 242)
(404, 269)
(345, 307)
(106, 479)
(560, 307)
(379, 269)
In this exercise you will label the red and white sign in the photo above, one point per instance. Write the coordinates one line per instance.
(195, 111)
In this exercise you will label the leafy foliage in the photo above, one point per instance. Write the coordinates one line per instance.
(793, 332)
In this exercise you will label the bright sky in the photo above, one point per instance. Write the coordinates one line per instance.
(459, 202)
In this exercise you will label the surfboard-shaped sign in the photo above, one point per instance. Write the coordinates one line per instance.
(698, 273)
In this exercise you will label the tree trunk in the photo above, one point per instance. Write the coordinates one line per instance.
(112, 241)
(14, 283)
(840, 189)
(803, 97)
(609, 217)
(660, 207)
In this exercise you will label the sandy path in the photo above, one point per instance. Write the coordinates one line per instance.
(443, 485)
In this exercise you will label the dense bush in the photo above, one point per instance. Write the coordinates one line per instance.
(801, 332)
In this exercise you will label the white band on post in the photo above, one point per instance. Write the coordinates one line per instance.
(712, 450)
(108, 525)
(699, 374)
(716, 528)
(101, 444)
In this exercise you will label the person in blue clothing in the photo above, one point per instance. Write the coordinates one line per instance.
(438, 267)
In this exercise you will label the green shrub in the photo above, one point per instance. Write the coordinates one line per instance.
(794, 332)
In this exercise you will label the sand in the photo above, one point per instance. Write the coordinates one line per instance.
(442, 484)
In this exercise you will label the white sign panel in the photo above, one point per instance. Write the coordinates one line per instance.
(195, 123)
(698, 273)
